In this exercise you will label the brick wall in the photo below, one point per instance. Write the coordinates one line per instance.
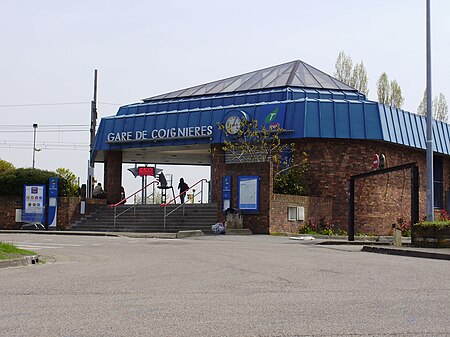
(8, 206)
(315, 208)
(257, 223)
(379, 200)
(68, 211)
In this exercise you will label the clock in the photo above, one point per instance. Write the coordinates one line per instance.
(233, 125)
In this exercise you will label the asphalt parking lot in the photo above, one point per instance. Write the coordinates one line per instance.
(219, 286)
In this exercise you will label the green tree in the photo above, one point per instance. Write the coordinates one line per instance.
(5, 166)
(396, 97)
(389, 93)
(343, 68)
(440, 107)
(360, 80)
(354, 76)
(70, 179)
(292, 179)
(383, 89)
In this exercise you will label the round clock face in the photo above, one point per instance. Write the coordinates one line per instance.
(233, 125)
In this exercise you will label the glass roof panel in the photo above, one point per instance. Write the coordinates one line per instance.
(305, 76)
(239, 81)
(279, 81)
(327, 81)
(297, 82)
(295, 73)
(191, 91)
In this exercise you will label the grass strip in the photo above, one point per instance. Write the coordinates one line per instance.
(10, 251)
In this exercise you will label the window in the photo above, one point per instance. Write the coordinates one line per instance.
(296, 213)
(438, 182)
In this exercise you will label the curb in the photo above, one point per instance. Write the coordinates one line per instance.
(406, 252)
(83, 233)
(235, 231)
(189, 234)
(18, 262)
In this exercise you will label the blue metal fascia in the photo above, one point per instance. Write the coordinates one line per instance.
(446, 133)
(303, 117)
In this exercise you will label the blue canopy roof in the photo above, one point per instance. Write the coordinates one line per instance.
(167, 123)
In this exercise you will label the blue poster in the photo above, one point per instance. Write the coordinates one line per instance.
(248, 193)
(52, 202)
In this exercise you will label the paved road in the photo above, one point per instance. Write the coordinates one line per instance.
(219, 286)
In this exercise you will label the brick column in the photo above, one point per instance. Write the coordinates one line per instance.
(113, 175)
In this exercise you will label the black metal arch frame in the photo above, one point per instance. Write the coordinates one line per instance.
(414, 194)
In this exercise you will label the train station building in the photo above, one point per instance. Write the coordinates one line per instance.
(339, 129)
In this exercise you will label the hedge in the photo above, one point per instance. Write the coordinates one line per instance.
(12, 181)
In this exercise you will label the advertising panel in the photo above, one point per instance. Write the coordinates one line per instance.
(34, 204)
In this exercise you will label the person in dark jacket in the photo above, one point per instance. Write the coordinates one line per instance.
(183, 187)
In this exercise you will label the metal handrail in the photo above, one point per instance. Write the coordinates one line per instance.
(125, 200)
(181, 205)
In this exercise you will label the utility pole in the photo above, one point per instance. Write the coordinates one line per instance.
(34, 143)
(90, 182)
(430, 182)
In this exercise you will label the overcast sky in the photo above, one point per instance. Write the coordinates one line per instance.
(143, 48)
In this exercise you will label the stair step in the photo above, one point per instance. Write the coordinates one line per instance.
(150, 218)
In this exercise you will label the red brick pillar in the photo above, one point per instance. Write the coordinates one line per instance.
(113, 175)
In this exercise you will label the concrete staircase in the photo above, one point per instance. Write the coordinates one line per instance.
(150, 218)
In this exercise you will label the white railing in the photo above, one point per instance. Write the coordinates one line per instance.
(189, 199)
(133, 206)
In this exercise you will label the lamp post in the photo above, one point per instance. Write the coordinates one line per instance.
(430, 187)
(34, 143)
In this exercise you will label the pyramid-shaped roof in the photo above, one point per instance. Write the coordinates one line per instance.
(292, 74)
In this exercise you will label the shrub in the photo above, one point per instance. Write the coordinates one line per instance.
(12, 181)
(438, 224)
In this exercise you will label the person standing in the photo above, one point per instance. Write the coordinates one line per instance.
(183, 187)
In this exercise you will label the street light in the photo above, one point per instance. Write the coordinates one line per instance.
(34, 143)
(430, 182)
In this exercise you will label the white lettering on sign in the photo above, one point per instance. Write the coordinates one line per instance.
(160, 134)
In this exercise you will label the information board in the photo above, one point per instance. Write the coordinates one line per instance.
(248, 193)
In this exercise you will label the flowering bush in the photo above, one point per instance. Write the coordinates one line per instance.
(443, 216)
(404, 226)
(318, 226)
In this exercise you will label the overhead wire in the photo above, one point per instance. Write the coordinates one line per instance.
(52, 104)
(44, 129)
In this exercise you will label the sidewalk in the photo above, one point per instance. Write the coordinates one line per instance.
(380, 245)
(428, 253)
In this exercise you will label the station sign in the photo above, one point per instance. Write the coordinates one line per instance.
(146, 171)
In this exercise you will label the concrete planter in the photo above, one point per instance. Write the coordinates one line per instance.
(431, 236)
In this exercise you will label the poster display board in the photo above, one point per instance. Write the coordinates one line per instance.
(248, 193)
(34, 204)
